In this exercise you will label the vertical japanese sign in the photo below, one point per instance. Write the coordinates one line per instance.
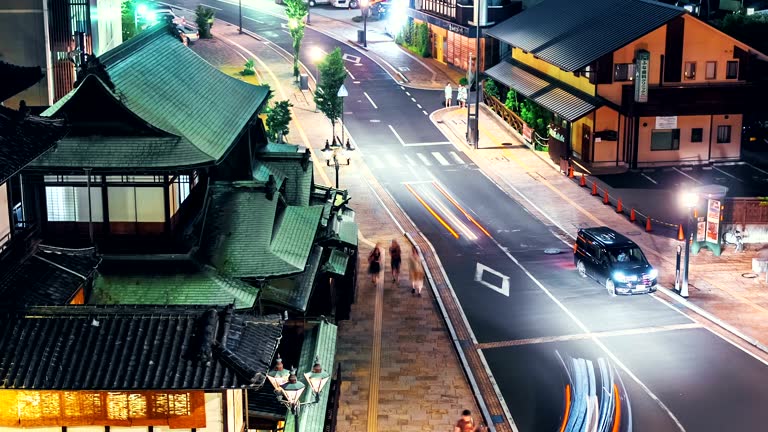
(713, 220)
(642, 66)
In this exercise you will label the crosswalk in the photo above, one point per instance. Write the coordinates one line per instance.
(448, 158)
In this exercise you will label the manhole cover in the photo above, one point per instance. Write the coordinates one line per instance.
(749, 275)
(552, 251)
(633, 233)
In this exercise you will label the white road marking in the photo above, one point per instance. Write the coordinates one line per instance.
(374, 121)
(374, 161)
(212, 7)
(355, 82)
(393, 161)
(443, 161)
(503, 289)
(413, 99)
(424, 159)
(424, 144)
(678, 170)
(402, 88)
(351, 58)
(728, 174)
(425, 113)
(649, 179)
(418, 105)
(410, 161)
(350, 74)
(456, 157)
(370, 100)
(402, 143)
(253, 19)
(756, 168)
(407, 93)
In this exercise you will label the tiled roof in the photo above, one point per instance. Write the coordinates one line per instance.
(23, 138)
(201, 103)
(337, 262)
(134, 347)
(240, 237)
(296, 296)
(50, 276)
(262, 171)
(263, 403)
(281, 148)
(298, 182)
(568, 102)
(320, 343)
(16, 79)
(168, 282)
(571, 34)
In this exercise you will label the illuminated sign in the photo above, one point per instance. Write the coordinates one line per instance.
(713, 221)
(642, 65)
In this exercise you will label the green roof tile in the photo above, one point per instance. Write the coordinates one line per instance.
(321, 343)
(296, 233)
(347, 232)
(337, 262)
(296, 295)
(281, 148)
(298, 182)
(168, 282)
(262, 171)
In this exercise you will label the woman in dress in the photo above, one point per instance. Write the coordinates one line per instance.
(374, 263)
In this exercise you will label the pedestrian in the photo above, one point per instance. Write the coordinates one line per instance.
(467, 424)
(448, 94)
(394, 260)
(462, 96)
(374, 263)
(416, 272)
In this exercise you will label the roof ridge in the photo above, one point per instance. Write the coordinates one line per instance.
(125, 49)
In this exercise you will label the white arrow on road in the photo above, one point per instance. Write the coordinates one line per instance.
(503, 289)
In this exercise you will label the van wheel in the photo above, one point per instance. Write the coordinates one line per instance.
(353, 4)
(581, 268)
(610, 286)
(312, 3)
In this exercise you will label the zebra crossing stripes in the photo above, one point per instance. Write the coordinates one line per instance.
(410, 161)
(457, 158)
(422, 159)
(439, 156)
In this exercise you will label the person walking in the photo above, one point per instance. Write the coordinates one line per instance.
(448, 94)
(461, 96)
(467, 424)
(416, 272)
(394, 260)
(374, 263)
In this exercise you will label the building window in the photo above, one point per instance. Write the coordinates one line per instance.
(624, 72)
(732, 70)
(665, 139)
(136, 204)
(690, 70)
(70, 204)
(697, 135)
(5, 220)
(724, 134)
(711, 72)
(179, 191)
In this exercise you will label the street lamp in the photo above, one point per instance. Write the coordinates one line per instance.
(289, 392)
(141, 10)
(364, 9)
(342, 93)
(240, 15)
(316, 54)
(334, 152)
(689, 200)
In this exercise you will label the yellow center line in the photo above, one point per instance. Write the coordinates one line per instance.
(434, 214)
(460, 208)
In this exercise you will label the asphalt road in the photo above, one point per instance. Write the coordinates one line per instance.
(523, 305)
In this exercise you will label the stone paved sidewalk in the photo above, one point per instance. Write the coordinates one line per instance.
(421, 385)
(717, 284)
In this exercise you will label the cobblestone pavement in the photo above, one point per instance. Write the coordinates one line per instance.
(722, 286)
(421, 384)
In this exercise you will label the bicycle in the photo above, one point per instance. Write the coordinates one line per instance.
(734, 237)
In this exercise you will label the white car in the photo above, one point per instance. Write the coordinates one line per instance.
(165, 14)
(187, 34)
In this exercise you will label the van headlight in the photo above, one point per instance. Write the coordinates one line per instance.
(619, 277)
(653, 274)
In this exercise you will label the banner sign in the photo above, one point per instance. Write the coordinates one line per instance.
(642, 66)
(713, 221)
(666, 122)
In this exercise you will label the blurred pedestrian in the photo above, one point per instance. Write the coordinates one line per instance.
(467, 424)
(416, 272)
(374, 263)
(394, 260)
(461, 96)
(448, 94)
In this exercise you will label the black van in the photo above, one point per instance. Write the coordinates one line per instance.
(613, 260)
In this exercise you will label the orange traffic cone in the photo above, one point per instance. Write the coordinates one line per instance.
(583, 181)
(680, 235)
(619, 207)
(570, 172)
(594, 189)
(632, 216)
(648, 224)
(605, 198)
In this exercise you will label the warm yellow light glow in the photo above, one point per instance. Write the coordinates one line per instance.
(690, 199)
(316, 54)
(292, 23)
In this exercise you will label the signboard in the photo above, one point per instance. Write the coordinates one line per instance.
(713, 221)
(642, 66)
(701, 229)
(666, 122)
(527, 132)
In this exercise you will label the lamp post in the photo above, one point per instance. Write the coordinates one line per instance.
(689, 201)
(289, 389)
(240, 15)
(342, 93)
(333, 152)
(309, 10)
(316, 54)
(364, 9)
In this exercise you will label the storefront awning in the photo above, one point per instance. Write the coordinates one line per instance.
(568, 103)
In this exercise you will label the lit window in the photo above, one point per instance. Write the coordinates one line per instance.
(724, 134)
(711, 72)
(690, 70)
(624, 72)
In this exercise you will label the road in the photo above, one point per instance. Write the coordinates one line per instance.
(524, 306)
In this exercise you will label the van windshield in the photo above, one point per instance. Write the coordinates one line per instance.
(626, 255)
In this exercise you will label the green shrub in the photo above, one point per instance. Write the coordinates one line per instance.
(511, 101)
(463, 81)
(249, 69)
(422, 40)
(204, 21)
(491, 89)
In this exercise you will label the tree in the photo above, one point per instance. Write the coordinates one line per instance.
(204, 21)
(296, 10)
(332, 75)
(750, 29)
(278, 120)
(128, 19)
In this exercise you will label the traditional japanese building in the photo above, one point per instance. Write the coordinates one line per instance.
(630, 82)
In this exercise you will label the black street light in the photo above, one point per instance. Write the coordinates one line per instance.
(364, 8)
(240, 13)
(289, 389)
(334, 152)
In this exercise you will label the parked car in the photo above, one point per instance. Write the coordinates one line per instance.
(614, 261)
(187, 34)
(165, 14)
